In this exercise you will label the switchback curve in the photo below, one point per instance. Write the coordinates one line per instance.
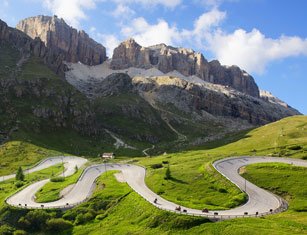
(260, 202)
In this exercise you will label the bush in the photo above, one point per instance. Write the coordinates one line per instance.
(101, 216)
(36, 219)
(6, 230)
(20, 232)
(222, 190)
(57, 179)
(58, 225)
(156, 166)
(295, 147)
(83, 218)
(19, 184)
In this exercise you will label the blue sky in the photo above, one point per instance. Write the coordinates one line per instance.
(267, 38)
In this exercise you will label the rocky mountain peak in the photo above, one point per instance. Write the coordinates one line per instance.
(58, 36)
(186, 61)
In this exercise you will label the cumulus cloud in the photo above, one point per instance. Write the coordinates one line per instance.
(162, 32)
(208, 20)
(150, 34)
(110, 41)
(166, 3)
(253, 51)
(123, 11)
(70, 10)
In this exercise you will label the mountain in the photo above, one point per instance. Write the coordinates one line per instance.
(186, 61)
(158, 95)
(58, 36)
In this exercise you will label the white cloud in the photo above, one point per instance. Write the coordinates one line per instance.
(72, 11)
(253, 51)
(110, 41)
(123, 11)
(166, 3)
(208, 20)
(149, 34)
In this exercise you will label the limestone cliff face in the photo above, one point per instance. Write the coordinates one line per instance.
(201, 100)
(28, 46)
(59, 37)
(186, 61)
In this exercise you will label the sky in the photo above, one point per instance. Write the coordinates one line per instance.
(267, 38)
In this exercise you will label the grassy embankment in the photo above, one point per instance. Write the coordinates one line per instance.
(51, 191)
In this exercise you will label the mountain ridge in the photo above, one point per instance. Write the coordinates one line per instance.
(186, 61)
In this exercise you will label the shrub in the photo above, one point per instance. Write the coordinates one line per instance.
(156, 166)
(20, 232)
(83, 218)
(57, 179)
(222, 190)
(295, 147)
(19, 184)
(6, 230)
(70, 215)
(37, 219)
(58, 225)
(101, 216)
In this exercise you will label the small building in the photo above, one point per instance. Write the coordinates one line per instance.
(107, 155)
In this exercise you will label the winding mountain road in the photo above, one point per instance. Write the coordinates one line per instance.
(260, 201)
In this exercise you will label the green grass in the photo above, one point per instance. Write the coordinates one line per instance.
(275, 139)
(35, 68)
(51, 191)
(194, 183)
(18, 153)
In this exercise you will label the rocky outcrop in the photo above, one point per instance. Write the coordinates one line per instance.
(61, 38)
(186, 61)
(201, 100)
(234, 77)
(28, 46)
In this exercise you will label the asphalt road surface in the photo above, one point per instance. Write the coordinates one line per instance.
(260, 201)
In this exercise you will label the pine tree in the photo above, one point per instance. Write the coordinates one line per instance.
(20, 175)
(167, 173)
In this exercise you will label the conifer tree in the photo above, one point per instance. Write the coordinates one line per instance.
(20, 175)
